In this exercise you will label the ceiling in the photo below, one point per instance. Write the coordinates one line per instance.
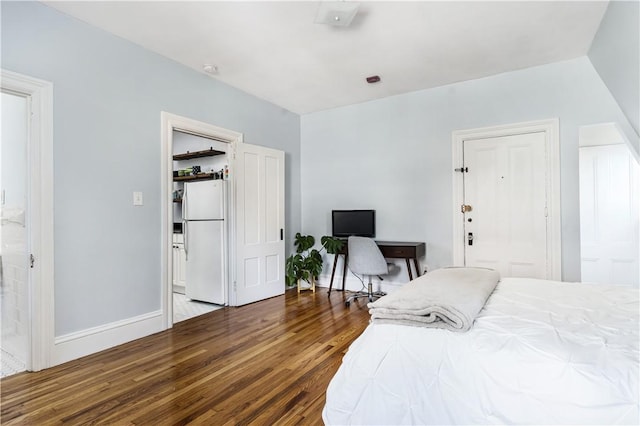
(276, 51)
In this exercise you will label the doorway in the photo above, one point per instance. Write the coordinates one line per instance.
(256, 214)
(26, 221)
(506, 195)
(197, 161)
(609, 208)
(181, 127)
(14, 241)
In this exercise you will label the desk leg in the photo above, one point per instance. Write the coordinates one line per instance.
(333, 271)
(415, 262)
(344, 271)
(409, 269)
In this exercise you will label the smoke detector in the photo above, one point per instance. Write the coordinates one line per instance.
(210, 69)
(336, 13)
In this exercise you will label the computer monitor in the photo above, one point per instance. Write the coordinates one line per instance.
(345, 223)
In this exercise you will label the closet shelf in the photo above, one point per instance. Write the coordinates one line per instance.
(199, 176)
(197, 154)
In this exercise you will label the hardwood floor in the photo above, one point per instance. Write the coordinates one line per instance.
(265, 363)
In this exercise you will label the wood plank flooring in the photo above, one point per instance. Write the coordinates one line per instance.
(265, 363)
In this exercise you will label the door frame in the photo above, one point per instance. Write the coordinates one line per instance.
(169, 123)
(552, 185)
(40, 218)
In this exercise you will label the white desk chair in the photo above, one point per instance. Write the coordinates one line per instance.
(366, 259)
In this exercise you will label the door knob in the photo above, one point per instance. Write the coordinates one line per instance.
(470, 238)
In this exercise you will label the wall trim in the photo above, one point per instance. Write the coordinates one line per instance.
(551, 128)
(95, 339)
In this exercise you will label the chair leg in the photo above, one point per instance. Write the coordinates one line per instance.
(370, 294)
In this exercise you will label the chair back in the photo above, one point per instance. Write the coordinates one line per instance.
(365, 257)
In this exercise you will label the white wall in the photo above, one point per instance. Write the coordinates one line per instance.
(108, 97)
(615, 54)
(395, 155)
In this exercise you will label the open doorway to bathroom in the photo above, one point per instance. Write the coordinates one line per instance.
(14, 264)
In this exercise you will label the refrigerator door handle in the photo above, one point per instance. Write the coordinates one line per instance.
(185, 238)
(184, 202)
(184, 221)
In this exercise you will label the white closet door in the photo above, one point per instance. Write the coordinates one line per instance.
(259, 180)
(609, 215)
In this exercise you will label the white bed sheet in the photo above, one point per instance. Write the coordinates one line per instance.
(540, 352)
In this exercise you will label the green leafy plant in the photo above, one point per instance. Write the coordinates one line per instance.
(307, 261)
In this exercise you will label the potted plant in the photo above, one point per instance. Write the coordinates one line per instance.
(306, 263)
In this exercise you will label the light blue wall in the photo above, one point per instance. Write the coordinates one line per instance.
(615, 54)
(395, 155)
(108, 95)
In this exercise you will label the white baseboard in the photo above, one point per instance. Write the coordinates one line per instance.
(85, 342)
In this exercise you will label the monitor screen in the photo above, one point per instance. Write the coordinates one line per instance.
(345, 223)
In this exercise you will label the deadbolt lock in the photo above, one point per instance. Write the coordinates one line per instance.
(465, 208)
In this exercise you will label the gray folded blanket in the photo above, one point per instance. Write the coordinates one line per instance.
(449, 298)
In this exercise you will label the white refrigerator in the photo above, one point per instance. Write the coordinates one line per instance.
(204, 231)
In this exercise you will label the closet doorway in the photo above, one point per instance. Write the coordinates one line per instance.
(609, 207)
(200, 242)
(255, 220)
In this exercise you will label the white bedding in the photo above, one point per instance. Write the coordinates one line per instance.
(540, 352)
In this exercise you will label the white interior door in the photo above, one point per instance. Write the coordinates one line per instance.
(609, 215)
(505, 187)
(259, 223)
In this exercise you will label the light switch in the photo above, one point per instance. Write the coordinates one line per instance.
(137, 198)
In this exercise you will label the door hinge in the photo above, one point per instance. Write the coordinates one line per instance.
(462, 170)
(32, 259)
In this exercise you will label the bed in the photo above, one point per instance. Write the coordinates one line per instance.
(539, 352)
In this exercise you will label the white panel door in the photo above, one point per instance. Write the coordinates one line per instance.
(259, 179)
(609, 215)
(505, 188)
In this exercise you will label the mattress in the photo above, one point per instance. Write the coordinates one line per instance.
(540, 352)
